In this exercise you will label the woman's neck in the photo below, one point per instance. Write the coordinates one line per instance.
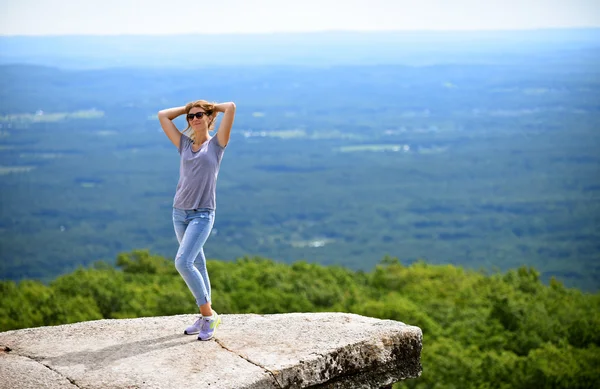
(200, 138)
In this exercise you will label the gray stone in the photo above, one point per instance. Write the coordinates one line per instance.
(295, 350)
(21, 372)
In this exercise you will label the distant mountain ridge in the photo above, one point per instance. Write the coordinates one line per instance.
(313, 49)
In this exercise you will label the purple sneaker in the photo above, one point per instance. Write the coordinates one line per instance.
(209, 327)
(194, 328)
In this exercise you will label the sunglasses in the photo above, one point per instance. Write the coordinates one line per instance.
(199, 115)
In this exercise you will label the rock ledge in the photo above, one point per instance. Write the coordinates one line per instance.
(293, 350)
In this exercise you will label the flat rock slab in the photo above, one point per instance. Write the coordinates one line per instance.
(293, 350)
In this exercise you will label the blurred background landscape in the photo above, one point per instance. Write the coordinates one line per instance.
(446, 178)
(347, 147)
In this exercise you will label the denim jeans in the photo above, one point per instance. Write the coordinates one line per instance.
(192, 228)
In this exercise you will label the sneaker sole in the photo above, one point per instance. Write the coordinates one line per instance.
(190, 333)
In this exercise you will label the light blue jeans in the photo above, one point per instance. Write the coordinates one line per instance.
(192, 228)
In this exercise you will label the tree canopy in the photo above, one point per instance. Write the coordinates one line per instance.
(497, 330)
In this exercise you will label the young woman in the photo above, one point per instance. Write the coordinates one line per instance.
(194, 204)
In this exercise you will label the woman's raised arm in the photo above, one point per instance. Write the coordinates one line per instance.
(165, 117)
(224, 130)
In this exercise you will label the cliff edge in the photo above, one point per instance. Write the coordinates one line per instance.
(293, 350)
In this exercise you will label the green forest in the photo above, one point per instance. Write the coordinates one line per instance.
(480, 329)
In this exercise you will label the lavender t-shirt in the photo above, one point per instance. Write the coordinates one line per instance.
(198, 171)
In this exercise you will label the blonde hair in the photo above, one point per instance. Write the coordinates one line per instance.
(208, 107)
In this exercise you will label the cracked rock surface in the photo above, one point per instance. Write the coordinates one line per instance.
(294, 350)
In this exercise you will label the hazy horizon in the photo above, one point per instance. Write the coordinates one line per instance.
(290, 48)
(315, 32)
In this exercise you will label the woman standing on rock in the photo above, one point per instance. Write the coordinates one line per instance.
(194, 204)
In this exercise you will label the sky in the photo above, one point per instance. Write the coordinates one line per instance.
(159, 17)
